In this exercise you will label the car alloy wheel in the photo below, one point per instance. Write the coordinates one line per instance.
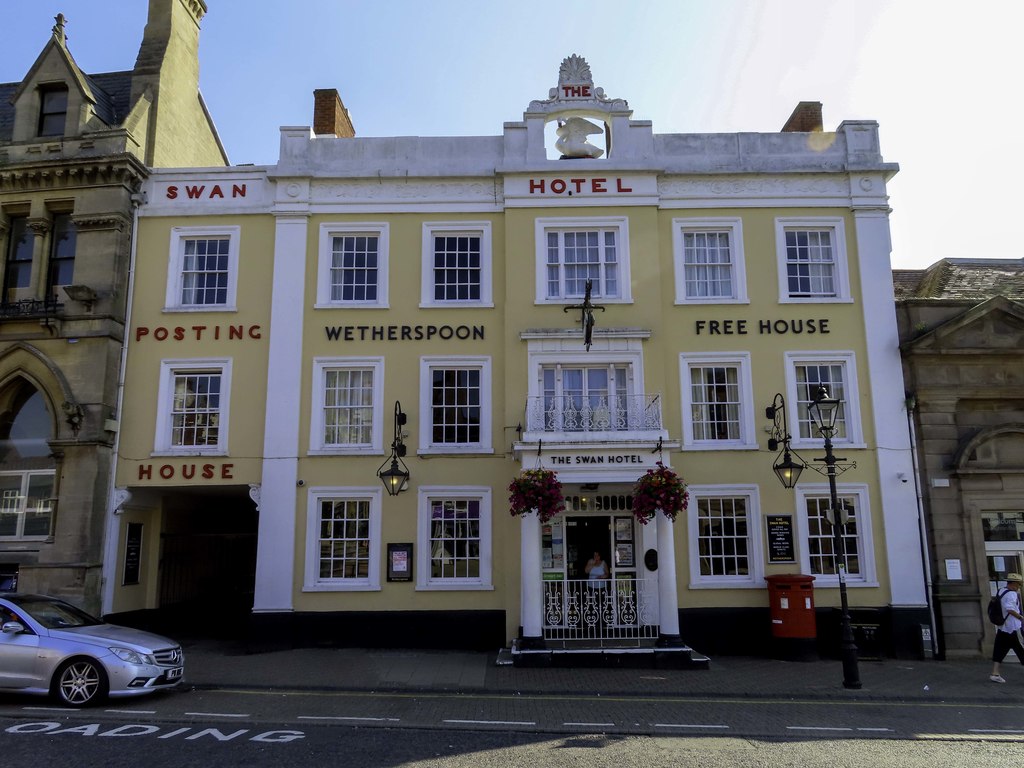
(80, 683)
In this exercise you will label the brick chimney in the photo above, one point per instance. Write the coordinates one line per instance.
(330, 118)
(806, 118)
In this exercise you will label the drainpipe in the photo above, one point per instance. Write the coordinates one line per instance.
(112, 527)
(911, 402)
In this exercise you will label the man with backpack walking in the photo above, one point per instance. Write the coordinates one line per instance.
(1006, 632)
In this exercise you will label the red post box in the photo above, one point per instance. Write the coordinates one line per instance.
(791, 598)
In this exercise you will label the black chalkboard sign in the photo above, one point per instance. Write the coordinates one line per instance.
(780, 539)
(132, 554)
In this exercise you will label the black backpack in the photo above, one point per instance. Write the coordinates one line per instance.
(995, 609)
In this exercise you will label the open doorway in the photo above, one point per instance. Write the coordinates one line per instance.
(584, 536)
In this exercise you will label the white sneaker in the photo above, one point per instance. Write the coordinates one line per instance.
(997, 678)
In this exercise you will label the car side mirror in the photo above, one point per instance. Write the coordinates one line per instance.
(13, 627)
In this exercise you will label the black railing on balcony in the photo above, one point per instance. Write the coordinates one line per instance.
(31, 308)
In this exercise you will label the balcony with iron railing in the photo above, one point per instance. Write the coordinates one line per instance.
(592, 418)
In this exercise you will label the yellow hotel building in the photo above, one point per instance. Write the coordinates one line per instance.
(422, 303)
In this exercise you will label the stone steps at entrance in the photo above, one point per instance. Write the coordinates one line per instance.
(682, 657)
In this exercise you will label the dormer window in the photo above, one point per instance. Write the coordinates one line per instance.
(53, 110)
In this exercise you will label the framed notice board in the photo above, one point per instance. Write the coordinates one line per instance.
(780, 539)
(132, 554)
(399, 562)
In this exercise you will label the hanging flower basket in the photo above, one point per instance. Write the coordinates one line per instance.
(660, 488)
(536, 489)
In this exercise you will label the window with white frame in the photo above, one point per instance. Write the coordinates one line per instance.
(725, 540)
(348, 412)
(571, 253)
(27, 505)
(814, 522)
(457, 264)
(455, 400)
(203, 271)
(454, 532)
(806, 373)
(718, 410)
(586, 398)
(812, 260)
(709, 264)
(192, 406)
(353, 265)
(343, 539)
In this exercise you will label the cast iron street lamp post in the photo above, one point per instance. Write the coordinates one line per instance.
(822, 411)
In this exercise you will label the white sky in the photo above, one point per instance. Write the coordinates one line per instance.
(942, 79)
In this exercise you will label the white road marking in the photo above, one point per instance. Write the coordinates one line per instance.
(687, 725)
(215, 714)
(881, 730)
(814, 728)
(50, 709)
(343, 717)
(591, 725)
(490, 722)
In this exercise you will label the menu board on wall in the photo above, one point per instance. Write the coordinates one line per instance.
(780, 539)
(132, 554)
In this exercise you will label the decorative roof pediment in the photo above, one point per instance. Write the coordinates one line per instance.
(994, 325)
(55, 56)
(576, 93)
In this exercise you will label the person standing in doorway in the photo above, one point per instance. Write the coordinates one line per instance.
(1007, 634)
(597, 568)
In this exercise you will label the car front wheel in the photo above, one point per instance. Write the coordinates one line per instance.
(80, 682)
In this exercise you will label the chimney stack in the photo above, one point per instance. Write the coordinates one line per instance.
(330, 118)
(806, 118)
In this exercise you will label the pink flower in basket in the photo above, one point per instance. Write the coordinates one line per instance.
(536, 489)
(660, 488)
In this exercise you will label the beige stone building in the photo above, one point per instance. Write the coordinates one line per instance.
(74, 152)
(962, 334)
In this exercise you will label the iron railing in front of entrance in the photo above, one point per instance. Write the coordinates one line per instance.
(606, 612)
(576, 413)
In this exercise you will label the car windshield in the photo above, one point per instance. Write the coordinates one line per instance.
(54, 614)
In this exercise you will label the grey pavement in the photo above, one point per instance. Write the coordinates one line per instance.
(211, 664)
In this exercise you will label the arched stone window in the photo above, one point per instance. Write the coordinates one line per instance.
(27, 468)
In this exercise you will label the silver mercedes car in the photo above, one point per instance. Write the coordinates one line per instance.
(50, 647)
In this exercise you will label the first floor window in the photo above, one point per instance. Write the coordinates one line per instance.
(195, 415)
(717, 401)
(343, 540)
(457, 267)
(455, 537)
(62, 252)
(26, 505)
(715, 398)
(192, 406)
(18, 264)
(348, 391)
(585, 398)
(725, 539)
(810, 378)
(455, 399)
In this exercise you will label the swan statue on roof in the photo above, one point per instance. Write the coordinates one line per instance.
(572, 138)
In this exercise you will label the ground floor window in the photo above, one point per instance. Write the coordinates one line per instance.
(343, 540)
(815, 520)
(26, 505)
(725, 536)
(455, 538)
